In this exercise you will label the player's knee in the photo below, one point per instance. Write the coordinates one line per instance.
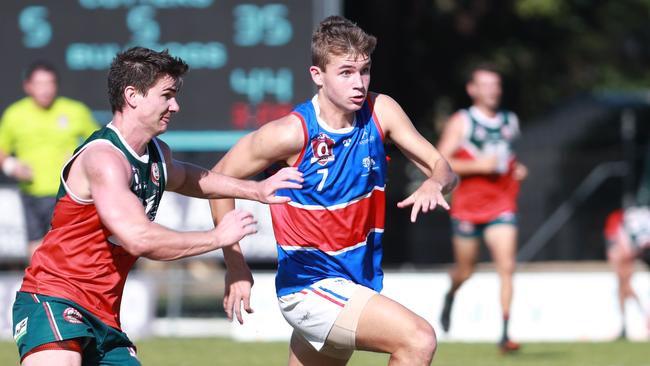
(463, 274)
(423, 340)
(507, 268)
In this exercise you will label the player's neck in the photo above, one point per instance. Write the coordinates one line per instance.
(486, 111)
(333, 116)
(133, 134)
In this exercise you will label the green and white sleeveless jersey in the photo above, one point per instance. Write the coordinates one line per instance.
(149, 172)
(490, 136)
(80, 259)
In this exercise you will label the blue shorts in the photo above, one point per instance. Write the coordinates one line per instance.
(470, 229)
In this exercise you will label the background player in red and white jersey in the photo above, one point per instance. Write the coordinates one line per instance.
(626, 235)
(332, 301)
(477, 143)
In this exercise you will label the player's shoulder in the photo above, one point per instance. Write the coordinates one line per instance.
(461, 114)
(459, 120)
(101, 147)
(70, 103)
(283, 136)
(511, 115)
(383, 101)
(289, 126)
(13, 118)
(20, 106)
(103, 157)
(385, 107)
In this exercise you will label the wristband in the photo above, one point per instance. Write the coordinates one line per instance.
(9, 165)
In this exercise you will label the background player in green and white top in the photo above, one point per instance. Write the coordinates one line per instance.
(478, 144)
(38, 133)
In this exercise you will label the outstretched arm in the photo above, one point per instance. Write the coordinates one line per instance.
(398, 127)
(191, 180)
(277, 141)
(101, 173)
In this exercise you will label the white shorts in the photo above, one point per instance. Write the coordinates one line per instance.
(313, 311)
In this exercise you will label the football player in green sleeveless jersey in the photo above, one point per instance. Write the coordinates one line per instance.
(67, 310)
(477, 142)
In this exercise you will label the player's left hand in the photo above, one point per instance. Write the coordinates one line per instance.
(285, 178)
(425, 199)
(239, 282)
(520, 171)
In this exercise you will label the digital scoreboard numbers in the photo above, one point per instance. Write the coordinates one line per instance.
(248, 60)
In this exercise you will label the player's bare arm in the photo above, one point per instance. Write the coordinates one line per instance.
(451, 140)
(281, 140)
(14, 168)
(101, 173)
(191, 180)
(398, 127)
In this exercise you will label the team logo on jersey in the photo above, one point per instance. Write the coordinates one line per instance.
(369, 164)
(136, 175)
(149, 207)
(480, 133)
(365, 138)
(72, 315)
(322, 147)
(155, 174)
(63, 121)
(21, 329)
(138, 184)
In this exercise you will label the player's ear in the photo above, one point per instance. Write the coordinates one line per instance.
(316, 75)
(129, 95)
(469, 88)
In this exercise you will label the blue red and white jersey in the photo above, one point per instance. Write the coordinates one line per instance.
(333, 226)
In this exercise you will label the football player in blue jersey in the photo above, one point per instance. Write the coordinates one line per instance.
(329, 235)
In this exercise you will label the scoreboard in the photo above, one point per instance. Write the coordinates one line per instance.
(248, 59)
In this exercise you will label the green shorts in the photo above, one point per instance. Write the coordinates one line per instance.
(39, 319)
(470, 229)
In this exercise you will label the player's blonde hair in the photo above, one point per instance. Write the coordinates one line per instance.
(338, 36)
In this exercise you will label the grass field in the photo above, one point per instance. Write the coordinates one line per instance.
(219, 351)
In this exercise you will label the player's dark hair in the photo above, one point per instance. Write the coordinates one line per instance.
(483, 66)
(141, 68)
(336, 35)
(39, 65)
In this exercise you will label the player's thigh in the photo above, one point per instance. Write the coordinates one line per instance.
(53, 357)
(466, 250)
(386, 326)
(301, 353)
(624, 272)
(118, 356)
(501, 240)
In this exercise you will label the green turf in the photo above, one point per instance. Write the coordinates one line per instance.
(184, 351)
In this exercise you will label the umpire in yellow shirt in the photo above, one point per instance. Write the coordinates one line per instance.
(38, 133)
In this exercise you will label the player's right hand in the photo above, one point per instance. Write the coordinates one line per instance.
(22, 172)
(289, 178)
(233, 227)
(239, 281)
